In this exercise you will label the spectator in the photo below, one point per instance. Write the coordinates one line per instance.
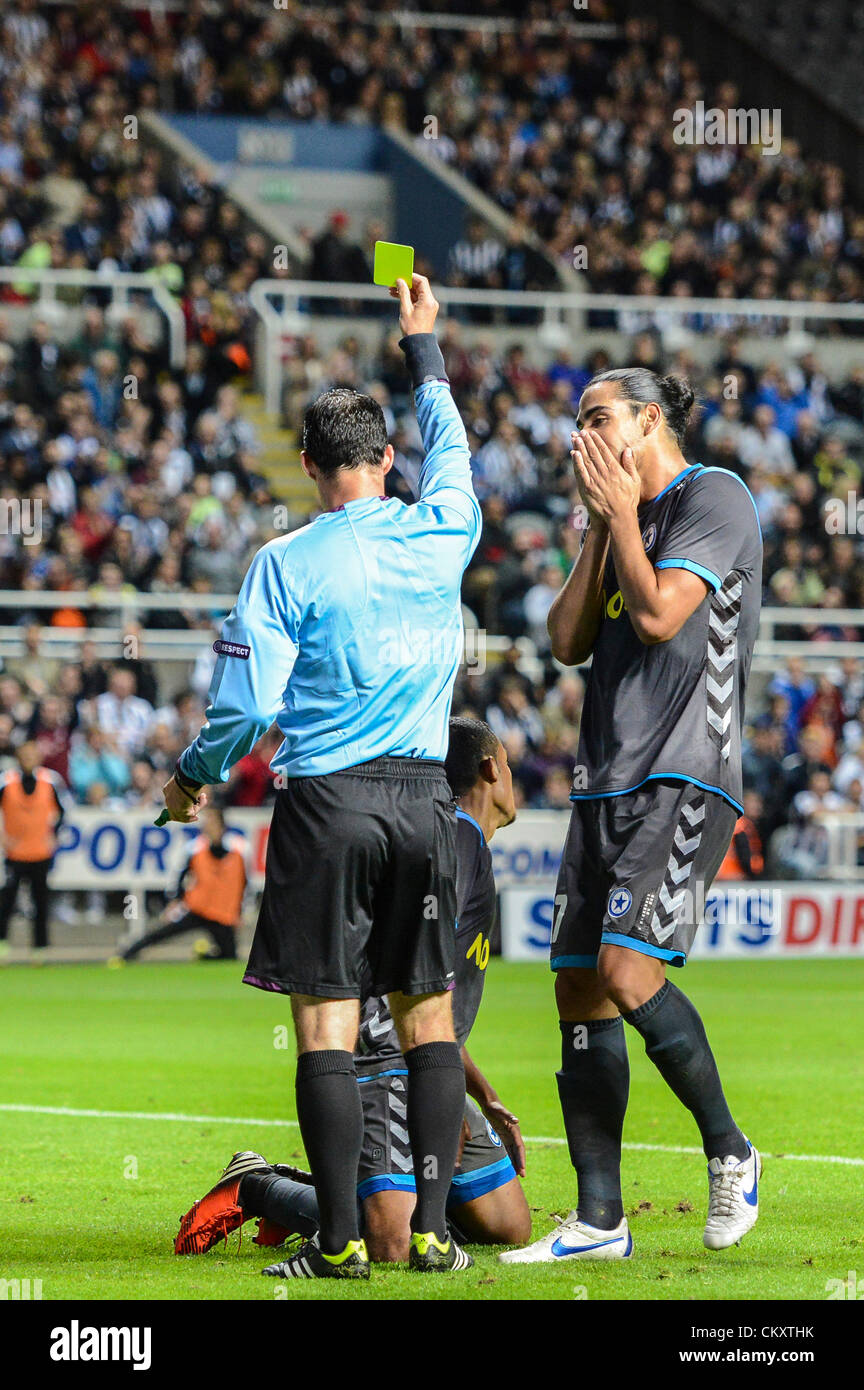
(556, 791)
(514, 719)
(335, 258)
(36, 672)
(250, 782)
(763, 773)
(801, 767)
(476, 259)
(764, 447)
(795, 686)
(51, 729)
(122, 714)
(539, 600)
(94, 757)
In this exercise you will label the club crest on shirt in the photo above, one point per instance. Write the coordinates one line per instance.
(649, 536)
(620, 900)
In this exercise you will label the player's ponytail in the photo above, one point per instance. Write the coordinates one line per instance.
(673, 394)
(677, 402)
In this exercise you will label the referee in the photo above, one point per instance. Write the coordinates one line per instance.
(348, 632)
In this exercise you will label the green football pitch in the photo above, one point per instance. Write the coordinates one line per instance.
(123, 1094)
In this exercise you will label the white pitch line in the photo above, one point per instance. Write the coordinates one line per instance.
(147, 1115)
(292, 1124)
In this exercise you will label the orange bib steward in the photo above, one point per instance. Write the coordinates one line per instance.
(218, 883)
(732, 868)
(29, 819)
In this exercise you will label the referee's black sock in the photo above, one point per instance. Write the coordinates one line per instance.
(594, 1084)
(331, 1123)
(675, 1041)
(436, 1102)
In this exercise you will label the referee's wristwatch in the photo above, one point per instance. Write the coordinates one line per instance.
(187, 788)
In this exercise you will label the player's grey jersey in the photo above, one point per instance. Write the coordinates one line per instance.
(476, 908)
(675, 709)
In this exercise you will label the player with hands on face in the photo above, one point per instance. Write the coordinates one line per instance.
(664, 598)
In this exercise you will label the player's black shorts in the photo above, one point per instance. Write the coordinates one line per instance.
(385, 1160)
(360, 865)
(635, 871)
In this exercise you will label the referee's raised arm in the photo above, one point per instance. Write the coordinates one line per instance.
(348, 632)
(445, 474)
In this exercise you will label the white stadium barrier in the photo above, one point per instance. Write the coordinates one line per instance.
(123, 851)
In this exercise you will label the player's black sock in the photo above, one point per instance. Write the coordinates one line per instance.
(676, 1043)
(594, 1083)
(293, 1205)
(436, 1102)
(331, 1123)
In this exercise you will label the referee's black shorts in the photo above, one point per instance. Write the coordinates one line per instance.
(361, 867)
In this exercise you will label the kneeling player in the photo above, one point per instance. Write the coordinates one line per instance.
(486, 1202)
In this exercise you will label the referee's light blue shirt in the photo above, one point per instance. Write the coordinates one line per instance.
(348, 632)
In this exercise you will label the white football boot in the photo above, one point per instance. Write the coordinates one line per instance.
(733, 1199)
(573, 1239)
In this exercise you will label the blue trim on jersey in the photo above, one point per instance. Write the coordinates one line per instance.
(691, 468)
(578, 962)
(658, 777)
(708, 575)
(465, 1187)
(463, 815)
(617, 938)
(730, 474)
(393, 1071)
(386, 1182)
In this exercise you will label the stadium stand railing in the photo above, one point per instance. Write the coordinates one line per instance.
(844, 836)
(285, 308)
(120, 285)
(163, 644)
(170, 644)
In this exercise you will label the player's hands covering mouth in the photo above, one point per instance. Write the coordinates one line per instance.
(609, 487)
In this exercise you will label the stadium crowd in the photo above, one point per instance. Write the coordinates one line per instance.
(159, 492)
(139, 501)
(574, 139)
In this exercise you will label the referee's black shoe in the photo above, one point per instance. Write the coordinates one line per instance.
(430, 1255)
(310, 1262)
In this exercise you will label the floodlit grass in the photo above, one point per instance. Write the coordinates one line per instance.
(90, 1204)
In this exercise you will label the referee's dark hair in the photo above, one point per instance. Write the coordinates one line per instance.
(344, 429)
(673, 394)
(471, 742)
